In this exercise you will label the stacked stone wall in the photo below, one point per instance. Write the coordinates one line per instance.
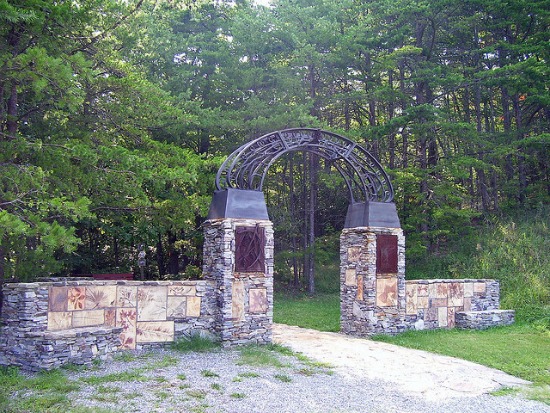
(436, 302)
(375, 301)
(245, 299)
(46, 324)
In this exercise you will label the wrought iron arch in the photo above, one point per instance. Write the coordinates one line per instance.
(246, 168)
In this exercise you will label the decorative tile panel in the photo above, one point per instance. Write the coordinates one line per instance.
(258, 300)
(126, 296)
(155, 331)
(386, 292)
(354, 253)
(126, 318)
(193, 306)
(182, 290)
(360, 290)
(351, 277)
(411, 293)
(151, 303)
(237, 300)
(60, 320)
(58, 298)
(88, 318)
(176, 307)
(101, 296)
(76, 297)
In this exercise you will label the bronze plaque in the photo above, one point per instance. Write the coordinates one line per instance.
(249, 249)
(386, 254)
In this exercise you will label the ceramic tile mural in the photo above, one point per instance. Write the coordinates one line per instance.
(151, 303)
(176, 307)
(351, 277)
(100, 296)
(237, 300)
(76, 298)
(155, 331)
(141, 311)
(182, 290)
(193, 306)
(386, 292)
(258, 300)
(88, 318)
(58, 298)
(60, 320)
(126, 296)
(126, 318)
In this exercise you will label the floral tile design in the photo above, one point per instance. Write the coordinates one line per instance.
(60, 320)
(451, 317)
(151, 303)
(354, 253)
(126, 296)
(456, 294)
(110, 317)
(126, 318)
(100, 296)
(182, 290)
(422, 290)
(76, 298)
(412, 298)
(88, 318)
(57, 298)
(258, 300)
(176, 307)
(155, 331)
(360, 290)
(237, 300)
(386, 292)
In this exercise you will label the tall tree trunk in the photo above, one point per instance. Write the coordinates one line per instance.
(161, 259)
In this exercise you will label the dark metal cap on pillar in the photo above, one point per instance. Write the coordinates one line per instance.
(238, 203)
(372, 214)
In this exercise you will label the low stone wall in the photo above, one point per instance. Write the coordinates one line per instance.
(480, 320)
(436, 302)
(45, 324)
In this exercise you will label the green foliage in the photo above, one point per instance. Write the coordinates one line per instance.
(512, 249)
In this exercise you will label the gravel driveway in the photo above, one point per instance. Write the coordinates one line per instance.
(363, 376)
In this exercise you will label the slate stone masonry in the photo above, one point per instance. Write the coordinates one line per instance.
(245, 299)
(375, 301)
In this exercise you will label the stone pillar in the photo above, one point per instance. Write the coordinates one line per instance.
(238, 256)
(372, 281)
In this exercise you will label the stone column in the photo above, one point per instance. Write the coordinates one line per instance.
(244, 281)
(372, 281)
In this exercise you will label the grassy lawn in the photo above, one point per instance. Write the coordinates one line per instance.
(320, 312)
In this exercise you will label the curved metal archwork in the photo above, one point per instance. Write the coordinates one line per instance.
(247, 167)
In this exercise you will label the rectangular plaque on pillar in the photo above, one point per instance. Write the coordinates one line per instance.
(249, 249)
(386, 254)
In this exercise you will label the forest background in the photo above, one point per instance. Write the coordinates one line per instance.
(115, 116)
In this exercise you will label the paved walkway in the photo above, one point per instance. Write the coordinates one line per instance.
(428, 375)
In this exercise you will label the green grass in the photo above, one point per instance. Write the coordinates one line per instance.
(320, 312)
(49, 388)
(254, 355)
(195, 343)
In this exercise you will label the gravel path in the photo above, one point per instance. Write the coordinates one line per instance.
(223, 381)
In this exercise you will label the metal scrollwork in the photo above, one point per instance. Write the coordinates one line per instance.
(247, 167)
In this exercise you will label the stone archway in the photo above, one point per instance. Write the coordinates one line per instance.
(372, 243)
